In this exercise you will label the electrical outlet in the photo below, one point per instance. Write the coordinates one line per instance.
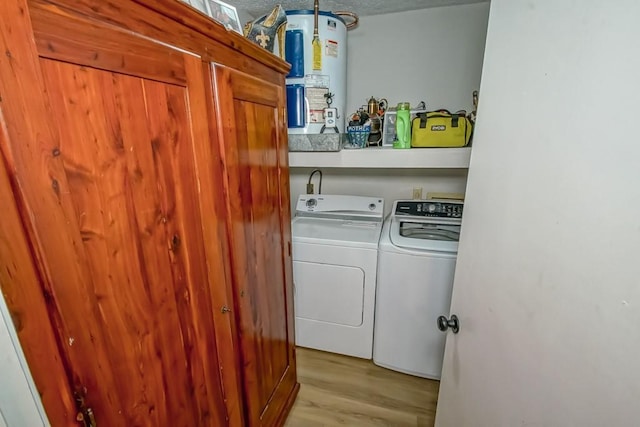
(417, 193)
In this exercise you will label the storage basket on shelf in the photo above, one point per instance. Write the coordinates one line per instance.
(358, 136)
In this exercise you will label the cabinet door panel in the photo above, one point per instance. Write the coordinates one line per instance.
(112, 198)
(252, 124)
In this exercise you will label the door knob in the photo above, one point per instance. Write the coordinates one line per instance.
(453, 323)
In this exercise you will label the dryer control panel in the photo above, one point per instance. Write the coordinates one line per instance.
(333, 206)
(429, 208)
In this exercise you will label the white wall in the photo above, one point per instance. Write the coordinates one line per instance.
(390, 184)
(432, 54)
(20, 403)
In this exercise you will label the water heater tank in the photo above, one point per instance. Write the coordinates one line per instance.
(307, 89)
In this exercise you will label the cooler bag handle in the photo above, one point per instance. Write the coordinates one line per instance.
(423, 117)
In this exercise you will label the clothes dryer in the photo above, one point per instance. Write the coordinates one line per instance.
(335, 258)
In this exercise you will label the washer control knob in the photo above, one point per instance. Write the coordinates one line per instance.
(372, 206)
(312, 203)
(432, 208)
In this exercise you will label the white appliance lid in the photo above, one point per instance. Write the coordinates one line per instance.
(340, 206)
(429, 231)
(339, 232)
(416, 233)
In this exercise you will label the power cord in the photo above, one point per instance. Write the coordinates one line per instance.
(310, 185)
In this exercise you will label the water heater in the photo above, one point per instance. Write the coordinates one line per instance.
(309, 90)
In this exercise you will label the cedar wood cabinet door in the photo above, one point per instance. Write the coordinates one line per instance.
(111, 198)
(253, 126)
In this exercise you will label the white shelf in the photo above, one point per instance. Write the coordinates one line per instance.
(385, 157)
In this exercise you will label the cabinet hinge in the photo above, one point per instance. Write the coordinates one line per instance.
(85, 414)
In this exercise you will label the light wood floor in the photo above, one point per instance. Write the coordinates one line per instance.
(344, 391)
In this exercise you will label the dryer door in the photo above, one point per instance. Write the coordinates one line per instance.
(334, 297)
(329, 293)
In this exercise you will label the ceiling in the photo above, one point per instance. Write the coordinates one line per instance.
(360, 7)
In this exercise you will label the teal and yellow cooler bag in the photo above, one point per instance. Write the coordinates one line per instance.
(440, 129)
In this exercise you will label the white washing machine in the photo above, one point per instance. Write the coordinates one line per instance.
(335, 258)
(416, 263)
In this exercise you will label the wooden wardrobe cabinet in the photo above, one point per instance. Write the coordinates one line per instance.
(145, 235)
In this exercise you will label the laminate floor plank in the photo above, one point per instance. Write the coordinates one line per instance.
(339, 390)
(316, 406)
